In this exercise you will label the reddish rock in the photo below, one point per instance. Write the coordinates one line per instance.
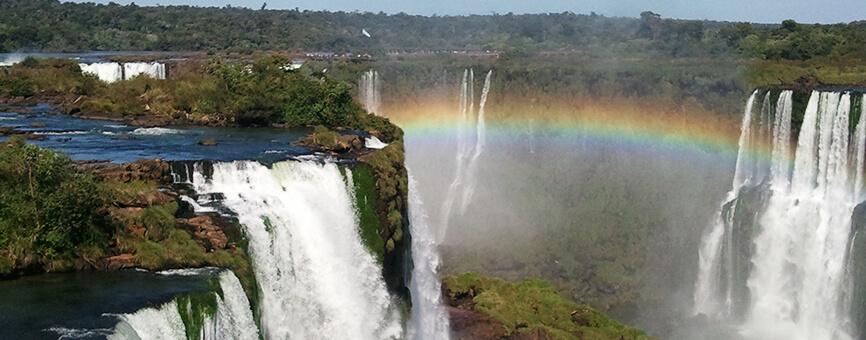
(468, 324)
(120, 261)
(205, 232)
(143, 170)
(128, 217)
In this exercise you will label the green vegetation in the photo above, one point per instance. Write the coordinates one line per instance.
(49, 25)
(55, 218)
(366, 198)
(392, 186)
(215, 92)
(49, 212)
(534, 305)
(194, 309)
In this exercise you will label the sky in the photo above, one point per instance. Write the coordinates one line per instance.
(762, 11)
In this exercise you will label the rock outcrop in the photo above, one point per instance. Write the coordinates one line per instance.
(142, 170)
(205, 232)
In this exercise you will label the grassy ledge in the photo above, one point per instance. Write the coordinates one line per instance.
(533, 307)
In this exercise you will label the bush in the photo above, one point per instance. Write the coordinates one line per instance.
(47, 208)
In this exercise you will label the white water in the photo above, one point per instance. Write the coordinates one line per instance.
(153, 70)
(464, 182)
(11, 60)
(373, 142)
(163, 323)
(234, 317)
(797, 282)
(706, 301)
(107, 72)
(113, 72)
(429, 319)
(316, 278)
(370, 91)
(196, 207)
(480, 142)
(155, 131)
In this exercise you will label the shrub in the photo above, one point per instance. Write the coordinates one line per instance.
(47, 208)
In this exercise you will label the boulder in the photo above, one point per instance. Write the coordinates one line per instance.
(143, 170)
(120, 262)
(469, 324)
(205, 232)
(207, 142)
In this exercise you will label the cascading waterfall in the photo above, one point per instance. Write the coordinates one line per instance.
(151, 323)
(113, 72)
(467, 156)
(233, 319)
(480, 141)
(708, 285)
(153, 70)
(370, 91)
(316, 278)
(107, 72)
(429, 318)
(775, 260)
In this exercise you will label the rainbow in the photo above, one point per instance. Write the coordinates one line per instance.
(640, 126)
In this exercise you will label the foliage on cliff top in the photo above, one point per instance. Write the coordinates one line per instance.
(48, 211)
(534, 304)
(50, 25)
(263, 92)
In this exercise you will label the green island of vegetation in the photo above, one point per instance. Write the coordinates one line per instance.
(531, 307)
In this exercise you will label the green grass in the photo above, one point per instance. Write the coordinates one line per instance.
(533, 304)
(763, 74)
(159, 220)
(129, 191)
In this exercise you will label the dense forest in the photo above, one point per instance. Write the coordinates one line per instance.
(49, 25)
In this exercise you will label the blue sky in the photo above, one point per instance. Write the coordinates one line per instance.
(765, 11)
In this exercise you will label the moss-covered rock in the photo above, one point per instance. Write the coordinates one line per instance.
(531, 308)
(366, 199)
(391, 207)
(194, 309)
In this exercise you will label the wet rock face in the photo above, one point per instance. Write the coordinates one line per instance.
(143, 170)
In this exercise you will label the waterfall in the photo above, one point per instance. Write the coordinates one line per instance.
(233, 319)
(113, 72)
(370, 91)
(107, 72)
(466, 157)
(709, 256)
(859, 151)
(153, 70)
(480, 141)
(163, 322)
(317, 280)
(429, 318)
(796, 225)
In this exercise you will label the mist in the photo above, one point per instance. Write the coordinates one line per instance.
(610, 221)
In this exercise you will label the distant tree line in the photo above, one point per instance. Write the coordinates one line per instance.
(49, 25)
